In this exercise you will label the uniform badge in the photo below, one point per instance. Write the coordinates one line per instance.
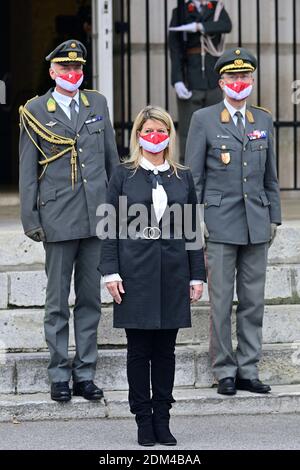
(225, 157)
(51, 105)
(54, 150)
(257, 135)
(94, 119)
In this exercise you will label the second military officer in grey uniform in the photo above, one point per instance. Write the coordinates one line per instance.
(67, 155)
(231, 154)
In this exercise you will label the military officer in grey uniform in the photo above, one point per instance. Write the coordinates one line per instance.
(67, 155)
(231, 154)
(197, 35)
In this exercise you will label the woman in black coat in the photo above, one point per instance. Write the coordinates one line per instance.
(147, 268)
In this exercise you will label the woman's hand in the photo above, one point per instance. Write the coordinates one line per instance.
(115, 288)
(196, 292)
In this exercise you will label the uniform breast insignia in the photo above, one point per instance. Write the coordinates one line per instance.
(225, 156)
(94, 119)
(257, 135)
(54, 149)
(51, 123)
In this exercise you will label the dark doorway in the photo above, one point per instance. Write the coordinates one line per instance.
(29, 30)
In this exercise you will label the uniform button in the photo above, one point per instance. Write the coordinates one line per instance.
(42, 203)
(83, 165)
(80, 150)
(244, 149)
(260, 147)
(245, 180)
(85, 180)
(245, 163)
(245, 195)
(224, 147)
(78, 135)
(205, 203)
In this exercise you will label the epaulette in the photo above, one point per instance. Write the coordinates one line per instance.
(29, 101)
(263, 109)
(96, 91)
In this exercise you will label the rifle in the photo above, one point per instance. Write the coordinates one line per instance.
(181, 20)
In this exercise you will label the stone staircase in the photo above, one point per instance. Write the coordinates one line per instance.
(23, 353)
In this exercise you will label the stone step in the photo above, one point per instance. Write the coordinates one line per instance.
(26, 372)
(189, 402)
(22, 330)
(27, 288)
(16, 250)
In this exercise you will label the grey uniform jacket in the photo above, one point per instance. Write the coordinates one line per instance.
(63, 212)
(242, 198)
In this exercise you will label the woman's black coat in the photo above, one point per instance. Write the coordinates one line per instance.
(155, 272)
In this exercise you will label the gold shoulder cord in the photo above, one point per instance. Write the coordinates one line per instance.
(27, 119)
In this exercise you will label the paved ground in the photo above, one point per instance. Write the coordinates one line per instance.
(196, 433)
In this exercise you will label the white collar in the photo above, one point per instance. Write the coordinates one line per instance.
(147, 165)
(64, 99)
(232, 110)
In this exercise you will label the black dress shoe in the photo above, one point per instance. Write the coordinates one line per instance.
(88, 390)
(254, 386)
(60, 391)
(227, 386)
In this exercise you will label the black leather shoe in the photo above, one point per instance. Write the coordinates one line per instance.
(254, 386)
(227, 386)
(60, 391)
(88, 390)
(164, 436)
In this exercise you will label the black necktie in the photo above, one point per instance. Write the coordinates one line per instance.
(74, 114)
(155, 179)
(240, 123)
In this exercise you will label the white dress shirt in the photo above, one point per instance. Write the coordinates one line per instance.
(64, 102)
(160, 202)
(233, 110)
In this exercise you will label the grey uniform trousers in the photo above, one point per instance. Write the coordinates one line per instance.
(186, 108)
(246, 263)
(61, 257)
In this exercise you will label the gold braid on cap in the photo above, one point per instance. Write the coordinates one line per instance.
(68, 59)
(240, 66)
(28, 120)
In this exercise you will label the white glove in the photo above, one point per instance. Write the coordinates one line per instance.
(189, 28)
(182, 92)
(206, 232)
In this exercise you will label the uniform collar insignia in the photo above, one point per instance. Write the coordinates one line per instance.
(84, 99)
(51, 105)
(250, 117)
(225, 116)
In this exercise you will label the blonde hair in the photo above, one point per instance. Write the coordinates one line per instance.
(159, 114)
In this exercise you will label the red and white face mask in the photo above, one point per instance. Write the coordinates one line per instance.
(69, 81)
(154, 142)
(238, 90)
